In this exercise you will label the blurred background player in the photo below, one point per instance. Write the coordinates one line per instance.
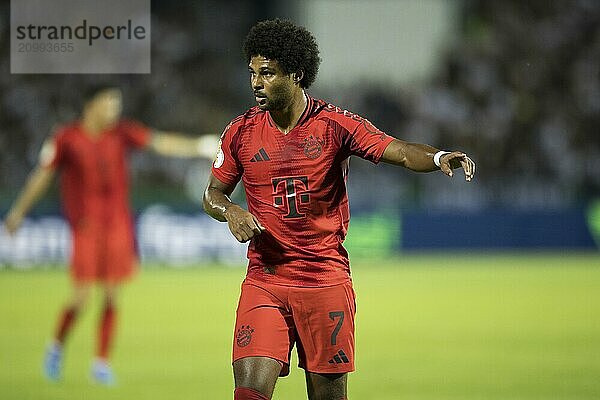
(91, 155)
(291, 152)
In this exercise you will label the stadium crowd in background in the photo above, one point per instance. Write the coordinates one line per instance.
(520, 86)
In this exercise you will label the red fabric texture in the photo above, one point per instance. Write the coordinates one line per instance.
(242, 393)
(94, 180)
(271, 319)
(296, 186)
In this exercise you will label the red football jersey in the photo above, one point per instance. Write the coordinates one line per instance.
(94, 170)
(296, 186)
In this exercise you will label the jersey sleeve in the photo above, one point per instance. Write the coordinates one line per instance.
(365, 140)
(135, 134)
(226, 166)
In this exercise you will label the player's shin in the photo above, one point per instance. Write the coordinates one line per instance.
(106, 330)
(66, 321)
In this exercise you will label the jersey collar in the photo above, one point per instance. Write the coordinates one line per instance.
(303, 117)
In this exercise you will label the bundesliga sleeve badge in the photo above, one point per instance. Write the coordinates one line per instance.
(220, 158)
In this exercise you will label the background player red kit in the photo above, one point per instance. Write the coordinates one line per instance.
(91, 156)
(95, 193)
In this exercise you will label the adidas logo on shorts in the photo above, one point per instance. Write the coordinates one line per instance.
(339, 358)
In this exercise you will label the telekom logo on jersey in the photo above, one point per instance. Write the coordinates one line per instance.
(290, 192)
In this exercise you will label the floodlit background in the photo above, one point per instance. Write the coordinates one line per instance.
(486, 289)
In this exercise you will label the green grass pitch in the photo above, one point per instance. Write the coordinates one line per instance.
(428, 327)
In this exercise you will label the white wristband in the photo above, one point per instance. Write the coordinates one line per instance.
(437, 156)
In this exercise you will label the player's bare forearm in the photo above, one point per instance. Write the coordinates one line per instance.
(420, 158)
(216, 203)
(37, 184)
(173, 144)
(414, 156)
(242, 224)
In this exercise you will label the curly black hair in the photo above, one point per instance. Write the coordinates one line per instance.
(292, 46)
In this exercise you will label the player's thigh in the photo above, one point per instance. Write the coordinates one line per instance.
(325, 323)
(263, 327)
(258, 373)
(326, 386)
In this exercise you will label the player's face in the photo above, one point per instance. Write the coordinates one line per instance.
(107, 106)
(273, 89)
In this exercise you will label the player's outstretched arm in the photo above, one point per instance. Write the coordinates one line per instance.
(243, 225)
(173, 144)
(424, 158)
(36, 186)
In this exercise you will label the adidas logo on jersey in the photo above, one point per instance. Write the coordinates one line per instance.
(260, 156)
(339, 358)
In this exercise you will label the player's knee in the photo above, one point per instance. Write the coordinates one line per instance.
(77, 304)
(110, 296)
(244, 393)
(80, 299)
(260, 384)
(327, 395)
(327, 386)
(110, 301)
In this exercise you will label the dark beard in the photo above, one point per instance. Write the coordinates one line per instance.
(278, 100)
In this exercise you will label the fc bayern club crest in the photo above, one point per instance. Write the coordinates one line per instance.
(313, 147)
(244, 335)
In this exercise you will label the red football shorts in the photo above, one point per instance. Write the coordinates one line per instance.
(103, 250)
(320, 321)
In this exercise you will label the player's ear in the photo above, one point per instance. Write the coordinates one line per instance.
(297, 76)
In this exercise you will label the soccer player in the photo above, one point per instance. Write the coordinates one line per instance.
(91, 156)
(291, 152)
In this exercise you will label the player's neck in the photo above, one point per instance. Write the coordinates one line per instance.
(288, 118)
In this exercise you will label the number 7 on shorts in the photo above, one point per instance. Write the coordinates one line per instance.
(333, 315)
